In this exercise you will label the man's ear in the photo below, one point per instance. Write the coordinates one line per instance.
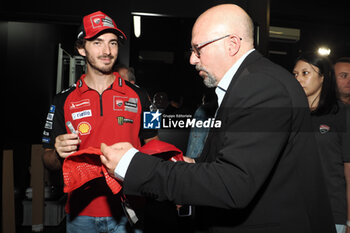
(82, 52)
(234, 45)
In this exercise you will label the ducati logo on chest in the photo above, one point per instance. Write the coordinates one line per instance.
(118, 103)
(324, 129)
(124, 103)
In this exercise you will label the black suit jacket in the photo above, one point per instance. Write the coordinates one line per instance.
(260, 172)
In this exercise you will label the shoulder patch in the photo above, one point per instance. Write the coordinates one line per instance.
(68, 89)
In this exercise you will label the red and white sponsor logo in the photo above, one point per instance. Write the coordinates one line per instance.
(101, 20)
(118, 102)
(80, 104)
(324, 129)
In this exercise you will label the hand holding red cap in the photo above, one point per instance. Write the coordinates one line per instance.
(111, 155)
(87, 164)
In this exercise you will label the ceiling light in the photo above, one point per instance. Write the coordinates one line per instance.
(137, 25)
(324, 51)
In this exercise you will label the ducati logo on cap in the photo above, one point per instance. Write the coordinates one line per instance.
(97, 21)
(324, 129)
(101, 20)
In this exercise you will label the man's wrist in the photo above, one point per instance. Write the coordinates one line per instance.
(123, 165)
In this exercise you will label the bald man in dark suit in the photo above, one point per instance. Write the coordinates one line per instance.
(260, 172)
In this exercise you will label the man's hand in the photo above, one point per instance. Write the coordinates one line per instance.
(112, 155)
(189, 160)
(66, 144)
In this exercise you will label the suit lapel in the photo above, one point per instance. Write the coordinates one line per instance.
(242, 71)
(221, 110)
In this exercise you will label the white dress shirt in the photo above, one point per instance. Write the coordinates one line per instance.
(122, 167)
(226, 80)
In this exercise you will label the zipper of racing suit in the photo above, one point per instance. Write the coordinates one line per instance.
(101, 107)
(101, 100)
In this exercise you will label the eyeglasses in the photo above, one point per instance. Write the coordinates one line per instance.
(196, 48)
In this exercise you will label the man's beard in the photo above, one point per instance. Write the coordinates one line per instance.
(104, 69)
(210, 80)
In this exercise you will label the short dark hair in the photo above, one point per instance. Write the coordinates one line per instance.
(80, 43)
(328, 98)
(343, 59)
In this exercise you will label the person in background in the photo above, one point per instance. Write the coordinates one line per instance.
(127, 73)
(331, 127)
(198, 136)
(342, 74)
(157, 216)
(259, 171)
(101, 107)
(160, 101)
(176, 104)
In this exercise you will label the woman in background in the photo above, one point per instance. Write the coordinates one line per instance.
(329, 118)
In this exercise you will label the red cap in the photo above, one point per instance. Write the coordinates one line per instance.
(162, 150)
(97, 22)
(85, 165)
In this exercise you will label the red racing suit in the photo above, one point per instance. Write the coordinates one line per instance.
(111, 117)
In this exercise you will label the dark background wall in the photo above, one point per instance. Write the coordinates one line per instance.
(31, 30)
(322, 23)
(29, 77)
